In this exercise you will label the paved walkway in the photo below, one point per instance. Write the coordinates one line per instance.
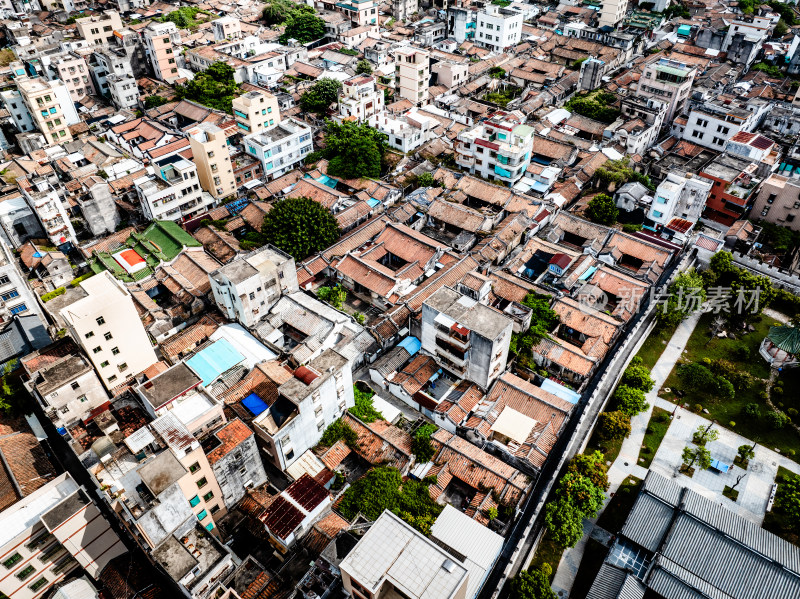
(625, 464)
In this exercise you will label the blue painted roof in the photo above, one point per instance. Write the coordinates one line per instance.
(254, 404)
(589, 272)
(373, 202)
(217, 358)
(410, 344)
(560, 391)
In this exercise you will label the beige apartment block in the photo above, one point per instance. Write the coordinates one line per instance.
(46, 107)
(159, 42)
(256, 111)
(213, 160)
(74, 72)
(48, 534)
(99, 29)
(412, 73)
(103, 320)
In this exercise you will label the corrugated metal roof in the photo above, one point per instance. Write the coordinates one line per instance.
(607, 583)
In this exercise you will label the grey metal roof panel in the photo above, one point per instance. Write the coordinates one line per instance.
(663, 487)
(608, 583)
(632, 588)
(670, 587)
(648, 521)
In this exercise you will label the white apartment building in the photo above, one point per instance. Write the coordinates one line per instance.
(498, 148)
(15, 104)
(450, 74)
(281, 148)
(17, 301)
(104, 322)
(498, 28)
(124, 91)
(160, 40)
(48, 534)
(50, 106)
(226, 28)
(407, 132)
(256, 111)
(49, 208)
(99, 29)
(315, 396)
(679, 198)
(246, 288)
(668, 81)
(173, 191)
(612, 12)
(712, 124)
(235, 460)
(468, 338)
(360, 98)
(360, 12)
(116, 78)
(412, 73)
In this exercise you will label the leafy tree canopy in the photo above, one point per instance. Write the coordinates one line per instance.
(686, 295)
(629, 400)
(321, 95)
(214, 87)
(637, 375)
(363, 67)
(614, 425)
(594, 105)
(300, 227)
(533, 584)
(602, 209)
(592, 466)
(564, 522)
(364, 409)
(354, 150)
(338, 429)
(335, 296)
(154, 102)
(303, 25)
(787, 499)
(183, 17)
(421, 446)
(276, 11)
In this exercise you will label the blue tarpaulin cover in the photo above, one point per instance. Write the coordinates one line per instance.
(254, 404)
(410, 344)
(217, 358)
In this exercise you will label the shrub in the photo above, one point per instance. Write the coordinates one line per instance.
(364, 409)
(726, 389)
(777, 420)
(421, 446)
(742, 353)
(637, 376)
(338, 429)
(697, 408)
(792, 413)
(53, 294)
(698, 377)
(778, 391)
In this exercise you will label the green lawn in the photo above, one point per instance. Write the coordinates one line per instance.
(656, 431)
(725, 411)
(618, 508)
(610, 449)
(593, 557)
(654, 345)
(548, 552)
(775, 521)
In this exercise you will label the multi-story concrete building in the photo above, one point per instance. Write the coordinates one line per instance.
(668, 81)
(499, 148)
(50, 106)
(71, 68)
(281, 148)
(734, 180)
(498, 28)
(49, 208)
(99, 29)
(467, 338)
(678, 203)
(256, 111)
(460, 23)
(316, 395)
(778, 202)
(15, 104)
(160, 40)
(173, 192)
(612, 12)
(103, 320)
(412, 74)
(233, 454)
(115, 76)
(360, 99)
(213, 160)
(97, 205)
(450, 74)
(360, 12)
(226, 28)
(246, 288)
(712, 124)
(64, 383)
(50, 533)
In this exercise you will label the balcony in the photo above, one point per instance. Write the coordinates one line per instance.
(466, 161)
(451, 358)
(453, 338)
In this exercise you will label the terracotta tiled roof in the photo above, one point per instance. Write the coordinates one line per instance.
(180, 344)
(335, 455)
(27, 463)
(230, 436)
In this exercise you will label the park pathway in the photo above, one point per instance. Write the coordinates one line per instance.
(626, 463)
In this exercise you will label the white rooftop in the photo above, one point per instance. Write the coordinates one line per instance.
(26, 513)
(393, 552)
(251, 348)
(514, 425)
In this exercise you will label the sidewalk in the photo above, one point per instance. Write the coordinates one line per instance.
(626, 463)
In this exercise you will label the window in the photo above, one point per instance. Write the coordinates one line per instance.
(4, 279)
(108, 336)
(112, 378)
(210, 526)
(10, 295)
(82, 398)
(101, 321)
(18, 308)
(12, 560)
(97, 350)
(89, 335)
(25, 572)
(202, 483)
(214, 510)
(38, 584)
(65, 409)
(194, 501)
(202, 515)
(123, 367)
(194, 467)
(209, 495)
(657, 214)
(103, 364)
(115, 350)
(75, 385)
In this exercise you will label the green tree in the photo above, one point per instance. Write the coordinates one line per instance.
(637, 375)
(335, 295)
(543, 318)
(426, 180)
(564, 522)
(7, 56)
(686, 295)
(776, 419)
(745, 452)
(705, 434)
(363, 67)
(613, 425)
(587, 497)
(214, 87)
(12, 394)
(364, 408)
(338, 429)
(629, 400)
(303, 26)
(321, 95)
(497, 73)
(594, 105)
(421, 446)
(698, 377)
(183, 17)
(780, 29)
(154, 102)
(699, 455)
(354, 150)
(276, 11)
(300, 227)
(602, 209)
(592, 466)
(787, 499)
(533, 584)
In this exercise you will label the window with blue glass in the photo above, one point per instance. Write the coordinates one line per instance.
(202, 515)
(19, 308)
(210, 526)
(661, 200)
(263, 111)
(268, 166)
(242, 126)
(239, 113)
(10, 295)
(45, 113)
(657, 214)
(194, 501)
(53, 110)
(269, 109)
(251, 149)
